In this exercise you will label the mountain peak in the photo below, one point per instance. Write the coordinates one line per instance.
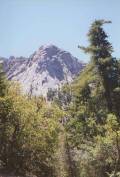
(45, 51)
(48, 67)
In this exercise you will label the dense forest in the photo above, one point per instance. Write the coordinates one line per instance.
(76, 133)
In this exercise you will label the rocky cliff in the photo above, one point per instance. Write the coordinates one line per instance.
(48, 67)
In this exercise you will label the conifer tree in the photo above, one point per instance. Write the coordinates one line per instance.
(3, 84)
(101, 50)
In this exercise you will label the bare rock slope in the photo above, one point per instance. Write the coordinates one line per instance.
(49, 67)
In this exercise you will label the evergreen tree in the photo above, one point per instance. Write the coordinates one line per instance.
(101, 55)
(2, 81)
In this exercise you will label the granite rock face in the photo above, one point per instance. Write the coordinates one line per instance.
(48, 67)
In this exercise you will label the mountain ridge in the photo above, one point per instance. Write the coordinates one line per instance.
(48, 67)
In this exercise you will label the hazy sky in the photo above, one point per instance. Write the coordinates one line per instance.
(25, 25)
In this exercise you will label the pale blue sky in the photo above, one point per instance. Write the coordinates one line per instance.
(25, 25)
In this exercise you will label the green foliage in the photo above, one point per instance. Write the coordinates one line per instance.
(28, 135)
(107, 66)
(3, 82)
(94, 128)
(97, 146)
(61, 97)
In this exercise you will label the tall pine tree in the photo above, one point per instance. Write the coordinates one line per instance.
(101, 50)
(3, 84)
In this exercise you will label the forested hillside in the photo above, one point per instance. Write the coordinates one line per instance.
(76, 133)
